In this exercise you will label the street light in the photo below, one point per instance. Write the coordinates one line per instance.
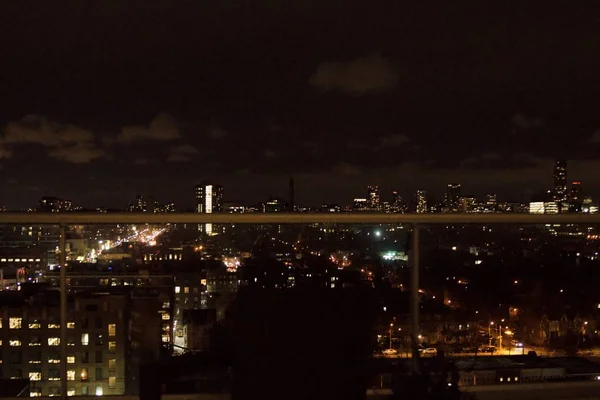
(391, 326)
(490, 332)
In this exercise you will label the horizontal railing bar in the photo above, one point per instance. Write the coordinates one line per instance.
(91, 218)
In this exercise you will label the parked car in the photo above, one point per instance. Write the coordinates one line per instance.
(487, 349)
(389, 352)
(430, 351)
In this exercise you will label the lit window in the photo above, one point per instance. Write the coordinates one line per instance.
(71, 375)
(112, 382)
(53, 359)
(112, 329)
(84, 374)
(35, 376)
(70, 325)
(166, 316)
(166, 338)
(166, 304)
(15, 323)
(35, 324)
(85, 339)
(14, 342)
(112, 346)
(186, 289)
(177, 289)
(112, 363)
(71, 359)
(53, 341)
(99, 390)
(35, 393)
(53, 325)
(70, 392)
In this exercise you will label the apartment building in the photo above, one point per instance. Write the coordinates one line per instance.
(101, 356)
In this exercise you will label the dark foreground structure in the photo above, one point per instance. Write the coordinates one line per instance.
(302, 344)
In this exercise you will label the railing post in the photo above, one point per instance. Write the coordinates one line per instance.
(63, 312)
(415, 300)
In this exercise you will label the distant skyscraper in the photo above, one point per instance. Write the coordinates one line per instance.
(209, 199)
(575, 192)
(373, 197)
(398, 205)
(575, 197)
(139, 205)
(54, 204)
(421, 202)
(560, 180)
(491, 202)
(466, 204)
(360, 205)
(453, 194)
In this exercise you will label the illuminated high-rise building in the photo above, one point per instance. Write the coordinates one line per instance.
(209, 199)
(491, 202)
(373, 197)
(421, 202)
(466, 204)
(575, 197)
(453, 194)
(560, 180)
(397, 205)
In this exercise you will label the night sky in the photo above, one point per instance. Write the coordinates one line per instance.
(101, 100)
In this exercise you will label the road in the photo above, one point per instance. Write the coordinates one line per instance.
(582, 390)
(593, 355)
(502, 352)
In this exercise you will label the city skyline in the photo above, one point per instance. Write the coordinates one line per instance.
(209, 198)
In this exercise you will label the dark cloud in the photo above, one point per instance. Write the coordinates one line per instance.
(595, 138)
(524, 122)
(80, 153)
(344, 168)
(182, 153)
(65, 142)
(359, 76)
(394, 140)
(162, 128)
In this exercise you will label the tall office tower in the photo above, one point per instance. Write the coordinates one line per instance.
(398, 205)
(491, 202)
(138, 205)
(209, 199)
(453, 194)
(421, 202)
(575, 197)
(560, 180)
(373, 197)
(575, 192)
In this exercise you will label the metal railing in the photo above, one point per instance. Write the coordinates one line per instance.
(63, 220)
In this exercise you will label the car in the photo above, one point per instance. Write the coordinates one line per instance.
(389, 352)
(487, 349)
(430, 351)
(516, 343)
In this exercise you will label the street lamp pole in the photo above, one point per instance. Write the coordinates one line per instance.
(415, 300)
(391, 326)
(63, 312)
